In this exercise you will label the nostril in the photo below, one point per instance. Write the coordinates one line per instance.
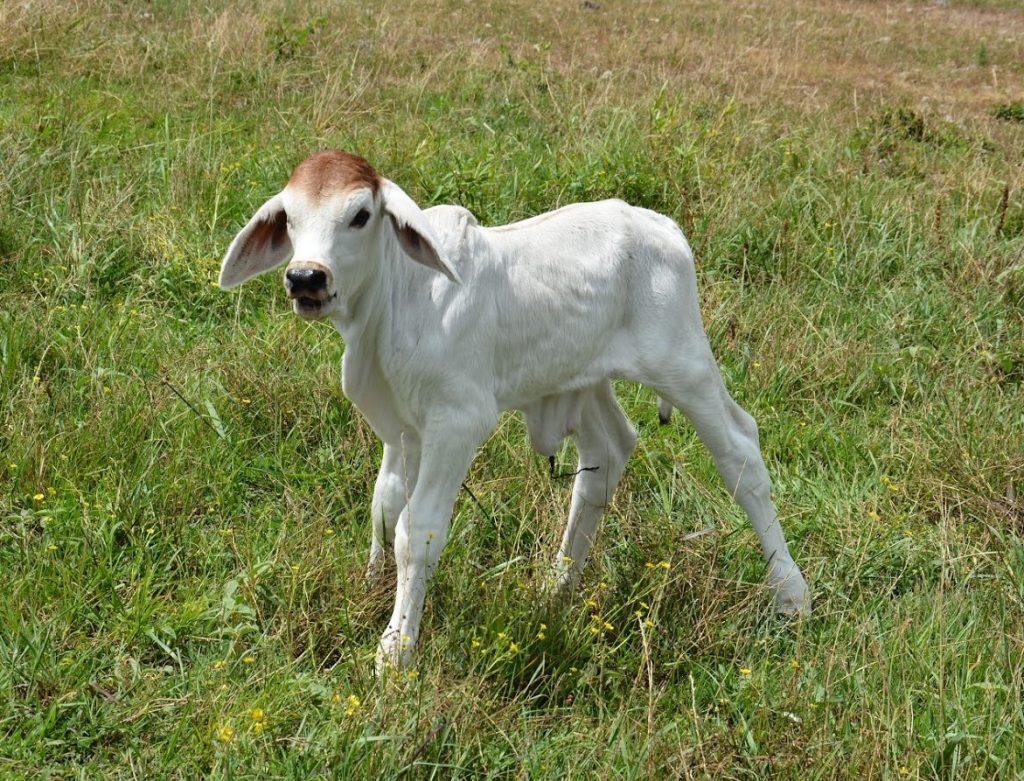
(306, 278)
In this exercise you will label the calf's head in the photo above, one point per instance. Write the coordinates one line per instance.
(338, 220)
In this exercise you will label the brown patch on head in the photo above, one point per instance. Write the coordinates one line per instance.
(331, 172)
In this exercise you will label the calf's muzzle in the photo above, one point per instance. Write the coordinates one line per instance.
(307, 279)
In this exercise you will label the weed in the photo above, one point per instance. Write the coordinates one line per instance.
(287, 37)
(1009, 112)
(981, 56)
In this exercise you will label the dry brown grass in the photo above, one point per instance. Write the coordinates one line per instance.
(796, 54)
(813, 55)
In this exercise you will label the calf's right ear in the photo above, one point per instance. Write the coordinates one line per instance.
(259, 246)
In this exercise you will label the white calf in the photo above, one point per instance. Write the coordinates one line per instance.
(536, 316)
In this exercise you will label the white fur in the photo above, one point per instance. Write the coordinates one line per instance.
(537, 316)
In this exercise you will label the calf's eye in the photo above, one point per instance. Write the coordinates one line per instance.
(360, 219)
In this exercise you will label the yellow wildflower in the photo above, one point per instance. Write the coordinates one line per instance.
(353, 705)
(39, 497)
(248, 659)
(225, 733)
(256, 714)
(744, 671)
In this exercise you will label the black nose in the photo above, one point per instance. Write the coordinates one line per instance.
(305, 280)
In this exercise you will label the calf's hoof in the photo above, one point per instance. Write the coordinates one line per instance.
(394, 653)
(561, 582)
(792, 597)
(376, 568)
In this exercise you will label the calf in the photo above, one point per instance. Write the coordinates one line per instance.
(447, 323)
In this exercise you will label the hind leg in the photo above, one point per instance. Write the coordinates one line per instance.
(730, 433)
(605, 439)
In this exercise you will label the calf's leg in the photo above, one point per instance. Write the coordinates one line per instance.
(422, 529)
(604, 439)
(694, 385)
(395, 483)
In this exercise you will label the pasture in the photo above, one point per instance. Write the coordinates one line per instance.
(184, 490)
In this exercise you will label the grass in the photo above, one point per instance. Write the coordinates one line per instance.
(184, 489)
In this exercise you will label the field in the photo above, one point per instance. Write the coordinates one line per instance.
(184, 490)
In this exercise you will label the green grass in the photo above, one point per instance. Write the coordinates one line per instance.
(184, 489)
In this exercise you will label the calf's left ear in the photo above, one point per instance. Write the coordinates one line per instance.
(259, 246)
(414, 233)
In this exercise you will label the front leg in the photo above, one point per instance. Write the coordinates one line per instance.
(395, 483)
(422, 529)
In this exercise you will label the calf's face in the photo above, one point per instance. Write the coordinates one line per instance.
(336, 218)
(334, 237)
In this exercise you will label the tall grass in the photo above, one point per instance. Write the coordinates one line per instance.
(184, 489)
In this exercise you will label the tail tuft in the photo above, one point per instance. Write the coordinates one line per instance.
(664, 411)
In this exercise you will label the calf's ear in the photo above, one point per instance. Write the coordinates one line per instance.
(259, 246)
(413, 231)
